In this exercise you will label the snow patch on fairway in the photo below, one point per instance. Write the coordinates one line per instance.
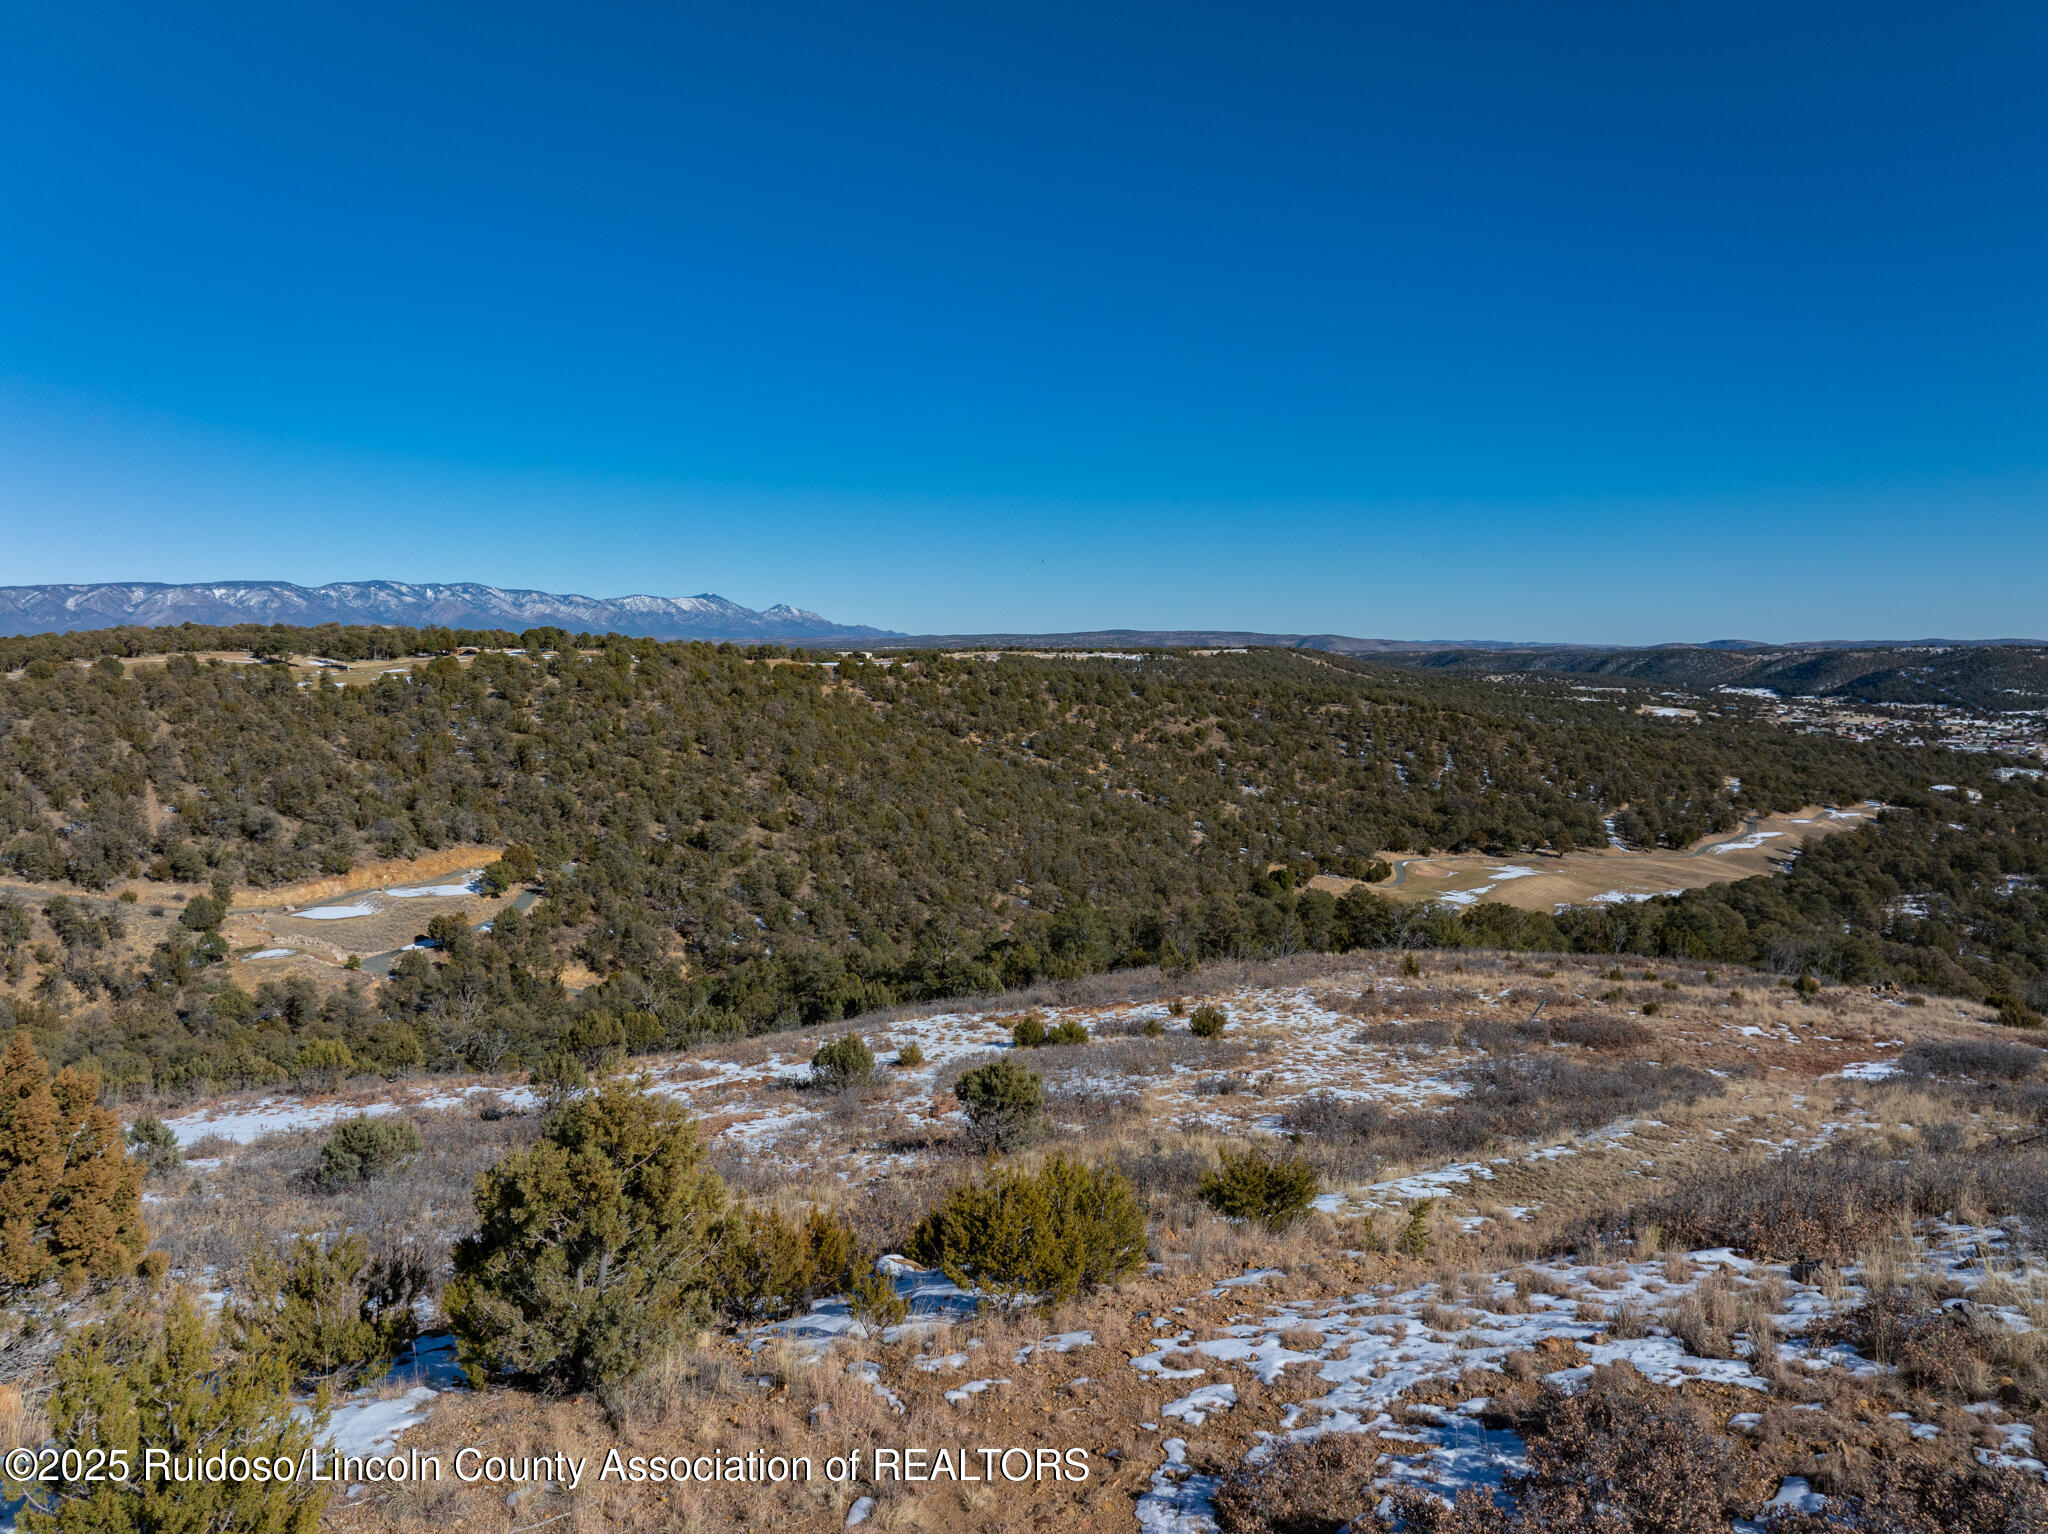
(1747, 843)
(468, 886)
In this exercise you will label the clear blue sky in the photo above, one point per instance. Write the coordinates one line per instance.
(1607, 322)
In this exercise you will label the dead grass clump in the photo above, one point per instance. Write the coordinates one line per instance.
(675, 1387)
(21, 1425)
(1954, 1355)
(1597, 1032)
(1316, 1486)
(1705, 1320)
(1827, 1206)
(1622, 1455)
(1515, 1097)
(1980, 1059)
(1902, 1496)
(1162, 1172)
(1630, 1321)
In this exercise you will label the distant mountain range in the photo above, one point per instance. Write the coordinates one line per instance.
(1345, 644)
(461, 604)
(468, 604)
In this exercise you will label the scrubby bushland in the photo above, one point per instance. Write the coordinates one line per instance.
(1520, 1097)
(366, 1147)
(1207, 1022)
(1980, 1059)
(159, 1375)
(593, 1250)
(1049, 1233)
(1833, 1205)
(843, 1064)
(1619, 1458)
(326, 1307)
(1598, 1032)
(70, 1195)
(1318, 1485)
(1256, 1184)
(1884, 1496)
(1827, 1206)
(1003, 1102)
(782, 845)
(323, 1064)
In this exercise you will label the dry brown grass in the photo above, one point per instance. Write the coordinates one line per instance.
(866, 1156)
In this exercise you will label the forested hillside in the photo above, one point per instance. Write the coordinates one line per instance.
(737, 840)
(1987, 678)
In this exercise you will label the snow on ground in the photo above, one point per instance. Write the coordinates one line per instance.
(370, 1426)
(1198, 1405)
(273, 953)
(1180, 1501)
(1747, 843)
(1300, 1047)
(1352, 1361)
(1059, 1342)
(241, 1123)
(468, 886)
(268, 1117)
(970, 1390)
(933, 1300)
(334, 912)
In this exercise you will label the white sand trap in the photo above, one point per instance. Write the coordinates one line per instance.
(335, 912)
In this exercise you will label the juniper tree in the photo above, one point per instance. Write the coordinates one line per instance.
(594, 1249)
(1003, 1101)
(70, 1196)
(164, 1377)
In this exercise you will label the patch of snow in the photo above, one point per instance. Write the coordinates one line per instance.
(1747, 843)
(468, 886)
(1797, 1495)
(932, 1299)
(1201, 1403)
(1180, 1501)
(970, 1390)
(372, 1427)
(267, 1117)
(1059, 1342)
(334, 912)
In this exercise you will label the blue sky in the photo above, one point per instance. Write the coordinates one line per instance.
(1603, 322)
